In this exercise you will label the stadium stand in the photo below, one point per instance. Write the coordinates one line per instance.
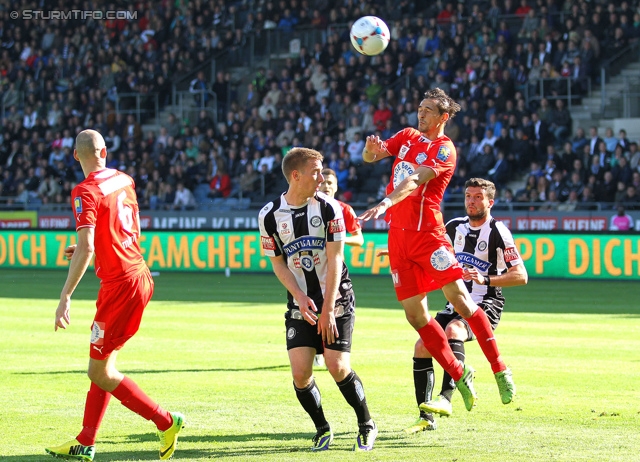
(519, 75)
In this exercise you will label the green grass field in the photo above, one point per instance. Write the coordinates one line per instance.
(213, 348)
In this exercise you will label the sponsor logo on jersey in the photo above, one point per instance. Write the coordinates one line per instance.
(420, 158)
(298, 215)
(443, 153)
(395, 277)
(77, 204)
(482, 246)
(336, 226)
(97, 333)
(306, 261)
(459, 239)
(510, 254)
(284, 228)
(441, 259)
(268, 243)
(401, 171)
(316, 221)
(404, 150)
(291, 332)
(304, 243)
(471, 260)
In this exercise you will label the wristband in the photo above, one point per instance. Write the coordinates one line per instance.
(487, 281)
(387, 203)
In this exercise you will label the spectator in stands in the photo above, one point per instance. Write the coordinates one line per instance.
(570, 204)
(610, 140)
(621, 221)
(249, 181)
(184, 199)
(552, 202)
(631, 201)
(560, 121)
(220, 185)
(199, 88)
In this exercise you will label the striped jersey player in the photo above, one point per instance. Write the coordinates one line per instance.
(303, 232)
(300, 234)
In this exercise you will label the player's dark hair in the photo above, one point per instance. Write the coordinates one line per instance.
(296, 159)
(488, 186)
(329, 171)
(444, 102)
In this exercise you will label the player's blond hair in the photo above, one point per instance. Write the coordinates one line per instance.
(297, 158)
(445, 103)
(488, 186)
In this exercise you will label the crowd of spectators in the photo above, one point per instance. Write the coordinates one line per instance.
(509, 65)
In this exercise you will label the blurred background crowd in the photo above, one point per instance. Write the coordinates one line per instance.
(515, 67)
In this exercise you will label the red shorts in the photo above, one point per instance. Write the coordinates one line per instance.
(420, 262)
(120, 306)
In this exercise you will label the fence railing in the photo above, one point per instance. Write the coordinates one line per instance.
(612, 67)
(143, 106)
(569, 89)
(188, 104)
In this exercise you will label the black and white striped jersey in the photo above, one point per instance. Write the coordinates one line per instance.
(490, 249)
(300, 234)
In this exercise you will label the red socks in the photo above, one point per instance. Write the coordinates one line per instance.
(435, 341)
(94, 409)
(481, 328)
(133, 398)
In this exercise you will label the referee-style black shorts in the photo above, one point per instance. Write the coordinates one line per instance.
(302, 334)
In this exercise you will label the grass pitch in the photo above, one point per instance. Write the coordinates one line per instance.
(213, 348)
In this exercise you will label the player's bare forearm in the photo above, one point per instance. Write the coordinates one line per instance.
(327, 323)
(515, 276)
(402, 191)
(335, 255)
(288, 280)
(356, 239)
(410, 184)
(82, 255)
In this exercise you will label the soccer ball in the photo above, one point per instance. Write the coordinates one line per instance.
(370, 35)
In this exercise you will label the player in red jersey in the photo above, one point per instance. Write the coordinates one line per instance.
(420, 256)
(330, 187)
(108, 225)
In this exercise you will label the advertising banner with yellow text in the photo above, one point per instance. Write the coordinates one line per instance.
(551, 255)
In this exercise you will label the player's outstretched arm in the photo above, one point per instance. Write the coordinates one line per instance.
(406, 187)
(355, 239)
(306, 304)
(79, 263)
(374, 149)
(327, 322)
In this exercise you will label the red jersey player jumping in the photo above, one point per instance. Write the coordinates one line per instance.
(420, 256)
(107, 222)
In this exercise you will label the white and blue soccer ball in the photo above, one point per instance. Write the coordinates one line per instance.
(370, 35)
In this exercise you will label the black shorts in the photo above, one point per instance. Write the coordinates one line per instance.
(493, 314)
(302, 334)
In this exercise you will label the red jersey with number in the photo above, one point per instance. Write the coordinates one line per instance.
(351, 222)
(106, 200)
(421, 210)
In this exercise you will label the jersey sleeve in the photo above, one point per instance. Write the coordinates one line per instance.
(85, 208)
(268, 232)
(508, 246)
(395, 142)
(334, 221)
(351, 222)
(441, 157)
